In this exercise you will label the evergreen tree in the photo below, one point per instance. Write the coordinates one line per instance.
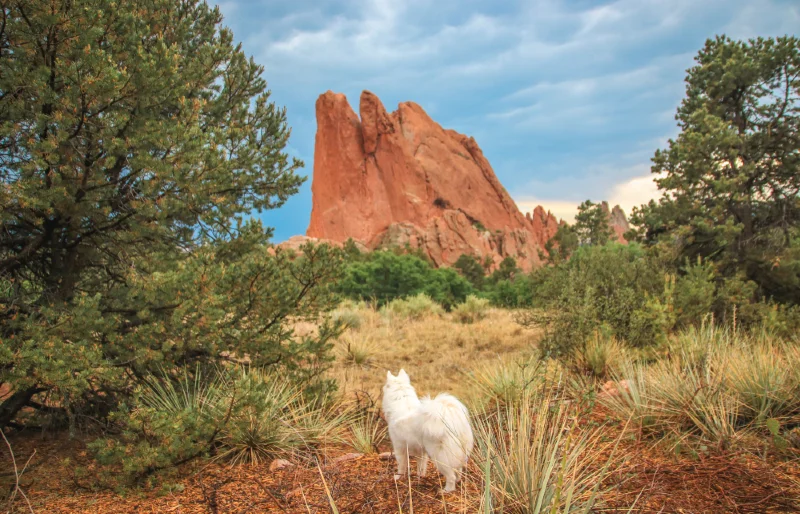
(592, 224)
(136, 141)
(732, 176)
(471, 269)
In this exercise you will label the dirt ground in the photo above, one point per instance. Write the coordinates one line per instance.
(647, 482)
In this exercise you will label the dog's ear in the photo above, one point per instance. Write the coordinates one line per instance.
(403, 375)
(389, 375)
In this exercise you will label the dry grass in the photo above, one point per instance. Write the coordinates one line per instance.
(436, 350)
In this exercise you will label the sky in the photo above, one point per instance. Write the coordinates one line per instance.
(568, 100)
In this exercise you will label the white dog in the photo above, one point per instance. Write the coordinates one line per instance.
(438, 428)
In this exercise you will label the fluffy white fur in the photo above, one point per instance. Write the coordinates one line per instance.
(437, 428)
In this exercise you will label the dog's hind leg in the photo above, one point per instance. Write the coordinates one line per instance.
(450, 479)
(422, 464)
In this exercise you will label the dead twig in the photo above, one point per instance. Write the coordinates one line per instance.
(17, 475)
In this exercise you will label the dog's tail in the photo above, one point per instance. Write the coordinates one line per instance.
(446, 419)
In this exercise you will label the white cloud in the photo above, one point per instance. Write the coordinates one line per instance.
(628, 194)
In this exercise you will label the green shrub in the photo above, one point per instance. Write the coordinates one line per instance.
(384, 276)
(414, 307)
(473, 309)
(614, 285)
(242, 415)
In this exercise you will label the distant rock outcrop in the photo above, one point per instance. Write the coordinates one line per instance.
(617, 220)
(399, 178)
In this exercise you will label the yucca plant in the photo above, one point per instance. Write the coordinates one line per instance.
(536, 460)
(765, 380)
(511, 382)
(356, 349)
(258, 405)
(632, 403)
(600, 356)
(367, 432)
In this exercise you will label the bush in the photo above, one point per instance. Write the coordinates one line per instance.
(240, 415)
(414, 307)
(384, 276)
(614, 285)
(472, 310)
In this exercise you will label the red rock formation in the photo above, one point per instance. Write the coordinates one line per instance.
(400, 178)
(617, 220)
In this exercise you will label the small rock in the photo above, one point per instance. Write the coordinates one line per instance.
(386, 455)
(347, 457)
(279, 464)
(612, 388)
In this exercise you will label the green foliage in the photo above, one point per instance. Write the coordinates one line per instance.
(507, 270)
(733, 173)
(143, 139)
(561, 245)
(534, 460)
(383, 276)
(239, 415)
(414, 307)
(615, 285)
(471, 269)
(473, 309)
(591, 225)
(511, 293)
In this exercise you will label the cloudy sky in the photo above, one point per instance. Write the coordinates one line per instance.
(567, 99)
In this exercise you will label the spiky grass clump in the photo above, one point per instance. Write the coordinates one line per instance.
(413, 307)
(600, 357)
(349, 318)
(473, 309)
(366, 432)
(356, 349)
(535, 460)
(716, 387)
(509, 382)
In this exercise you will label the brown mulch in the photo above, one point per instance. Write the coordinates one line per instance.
(733, 483)
(648, 482)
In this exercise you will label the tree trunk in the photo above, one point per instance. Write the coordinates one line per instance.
(15, 403)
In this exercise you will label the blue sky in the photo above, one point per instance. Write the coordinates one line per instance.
(568, 99)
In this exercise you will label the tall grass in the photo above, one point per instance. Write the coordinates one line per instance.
(715, 385)
(510, 382)
(535, 459)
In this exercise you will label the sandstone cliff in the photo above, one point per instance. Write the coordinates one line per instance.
(400, 178)
(617, 220)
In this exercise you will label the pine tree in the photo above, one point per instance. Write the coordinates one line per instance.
(732, 176)
(135, 141)
(592, 224)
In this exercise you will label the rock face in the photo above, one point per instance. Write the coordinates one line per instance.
(400, 178)
(617, 220)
